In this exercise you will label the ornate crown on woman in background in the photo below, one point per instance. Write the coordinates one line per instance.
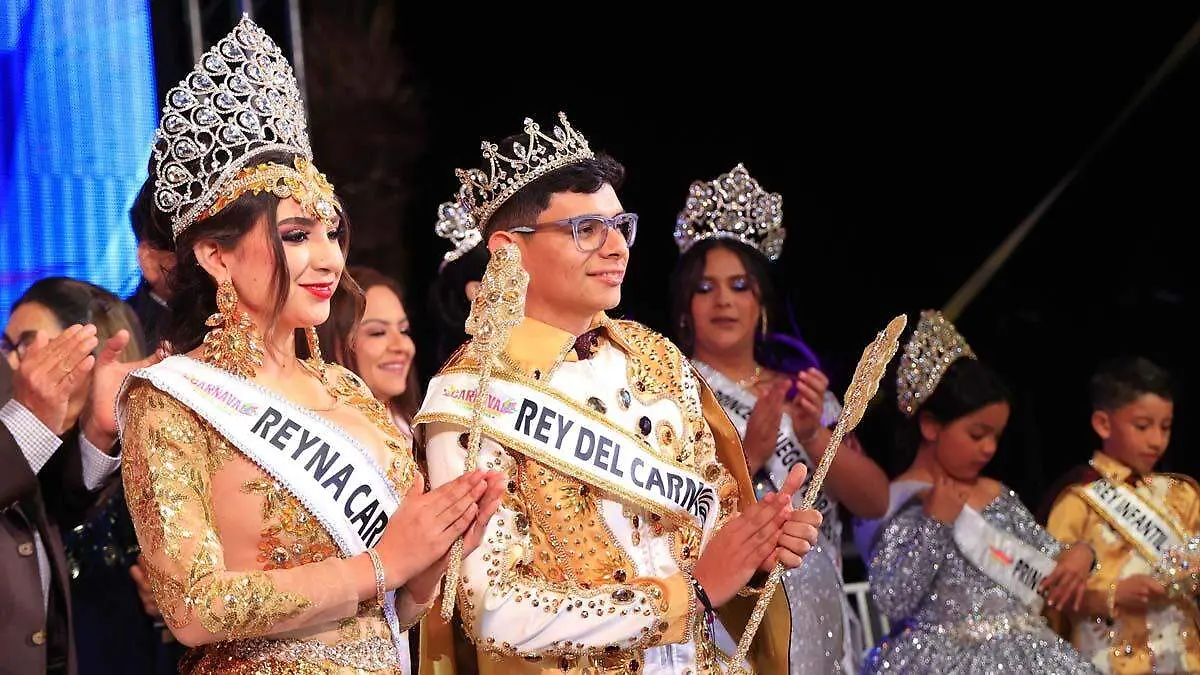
(732, 206)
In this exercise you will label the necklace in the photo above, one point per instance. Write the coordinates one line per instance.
(316, 368)
(747, 382)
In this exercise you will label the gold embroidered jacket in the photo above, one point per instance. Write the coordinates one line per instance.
(569, 577)
(1165, 639)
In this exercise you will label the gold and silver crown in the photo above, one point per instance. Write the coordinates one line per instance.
(535, 155)
(455, 223)
(733, 206)
(240, 101)
(933, 346)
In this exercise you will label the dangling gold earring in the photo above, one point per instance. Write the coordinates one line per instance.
(314, 344)
(233, 343)
(763, 323)
(316, 363)
(314, 350)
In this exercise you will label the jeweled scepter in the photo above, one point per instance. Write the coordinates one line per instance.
(499, 306)
(867, 374)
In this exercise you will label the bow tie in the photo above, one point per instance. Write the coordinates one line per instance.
(585, 345)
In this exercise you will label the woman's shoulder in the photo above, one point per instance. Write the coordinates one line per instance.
(145, 410)
(904, 504)
(995, 487)
(145, 397)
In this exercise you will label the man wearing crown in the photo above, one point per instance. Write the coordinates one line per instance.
(629, 538)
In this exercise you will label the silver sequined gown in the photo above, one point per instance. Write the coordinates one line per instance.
(818, 603)
(947, 616)
(826, 636)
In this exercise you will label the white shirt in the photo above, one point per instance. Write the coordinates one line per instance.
(38, 443)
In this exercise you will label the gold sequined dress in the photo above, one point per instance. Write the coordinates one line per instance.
(241, 572)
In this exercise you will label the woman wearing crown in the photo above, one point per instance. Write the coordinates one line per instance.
(283, 522)
(723, 301)
(959, 566)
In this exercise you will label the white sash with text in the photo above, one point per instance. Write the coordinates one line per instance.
(1138, 522)
(739, 403)
(577, 441)
(328, 471)
(1004, 558)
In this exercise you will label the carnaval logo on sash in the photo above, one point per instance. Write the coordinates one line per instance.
(466, 399)
(328, 471)
(1151, 531)
(1004, 558)
(577, 441)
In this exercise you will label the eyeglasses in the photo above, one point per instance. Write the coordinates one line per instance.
(590, 230)
(7, 346)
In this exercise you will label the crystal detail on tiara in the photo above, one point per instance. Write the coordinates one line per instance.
(933, 346)
(232, 135)
(733, 206)
(174, 123)
(535, 155)
(175, 174)
(182, 99)
(205, 116)
(201, 83)
(232, 52)
(455, 223)
(186, 150)
(239, 102)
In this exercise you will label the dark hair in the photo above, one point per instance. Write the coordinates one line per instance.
(968, 385)
(193, 290)
(149, 224)
(70, 300)
(1121, 381)
(73, 301)
(448, 298)
(111, 315)
(337, 334)
(585, 177)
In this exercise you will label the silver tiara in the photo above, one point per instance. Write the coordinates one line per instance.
(533, 156)
(455, 223)
(733, 206)
(239, 102)
(934, 345)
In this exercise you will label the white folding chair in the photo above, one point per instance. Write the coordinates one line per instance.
(873, 622)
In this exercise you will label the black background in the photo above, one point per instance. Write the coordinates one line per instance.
(906, 143)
